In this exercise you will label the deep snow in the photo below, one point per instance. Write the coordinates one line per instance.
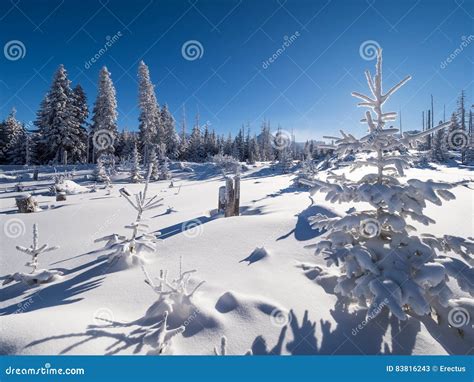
(264, 290)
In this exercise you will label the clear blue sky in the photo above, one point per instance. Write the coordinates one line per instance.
(306, 89)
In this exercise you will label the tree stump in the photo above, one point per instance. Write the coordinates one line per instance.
(61, 196)
(26, 204)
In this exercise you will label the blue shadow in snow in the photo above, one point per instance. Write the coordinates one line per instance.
(303, 230)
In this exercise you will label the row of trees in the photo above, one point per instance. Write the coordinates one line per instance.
(459, 136)
(62, 133)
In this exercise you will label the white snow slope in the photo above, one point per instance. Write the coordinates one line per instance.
(277, 299)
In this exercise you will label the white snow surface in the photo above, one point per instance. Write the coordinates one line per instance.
(264, 290)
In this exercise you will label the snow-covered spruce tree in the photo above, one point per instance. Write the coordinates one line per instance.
(36, 276)
(164, 171)
(100, 173)
(253, 151)
(151, 129)
(382, 261)
(439, 149)
(153, 163)
(171, 137)
(104, 118)
(16, 139)
(128, 251)
(135, 175)
(195, 147)
(61, 135)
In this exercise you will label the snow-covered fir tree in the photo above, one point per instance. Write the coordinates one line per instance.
(81, 113)
(195, 146)
(153, 163)
(253, 151)
(61, 135)
(100, 172)
(104, 117)
(135, 175)
(170, 136)
(151, 129)
(14, 138)
(439, 146)
(183, 138)
(382, 261)
(266, 145)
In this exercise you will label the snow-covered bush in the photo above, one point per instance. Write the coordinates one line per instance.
(174, 296)
(379, 256)
(36, 276)
(226, 162)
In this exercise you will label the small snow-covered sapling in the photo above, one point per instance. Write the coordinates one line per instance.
(35, 276)
(119, 246)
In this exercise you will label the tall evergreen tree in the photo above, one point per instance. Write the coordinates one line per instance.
(60, 134)
(15, 133)
(170, 136)
(195, 147)
(151, 129)
(104, 117)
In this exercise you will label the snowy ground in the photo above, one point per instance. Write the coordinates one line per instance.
(278, 302)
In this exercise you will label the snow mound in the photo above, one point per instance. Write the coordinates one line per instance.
(40, 276)
(71, 188)
(245, 306)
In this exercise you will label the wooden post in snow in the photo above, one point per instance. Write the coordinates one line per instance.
(237, 195)
(221, 199)
(229, 197)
